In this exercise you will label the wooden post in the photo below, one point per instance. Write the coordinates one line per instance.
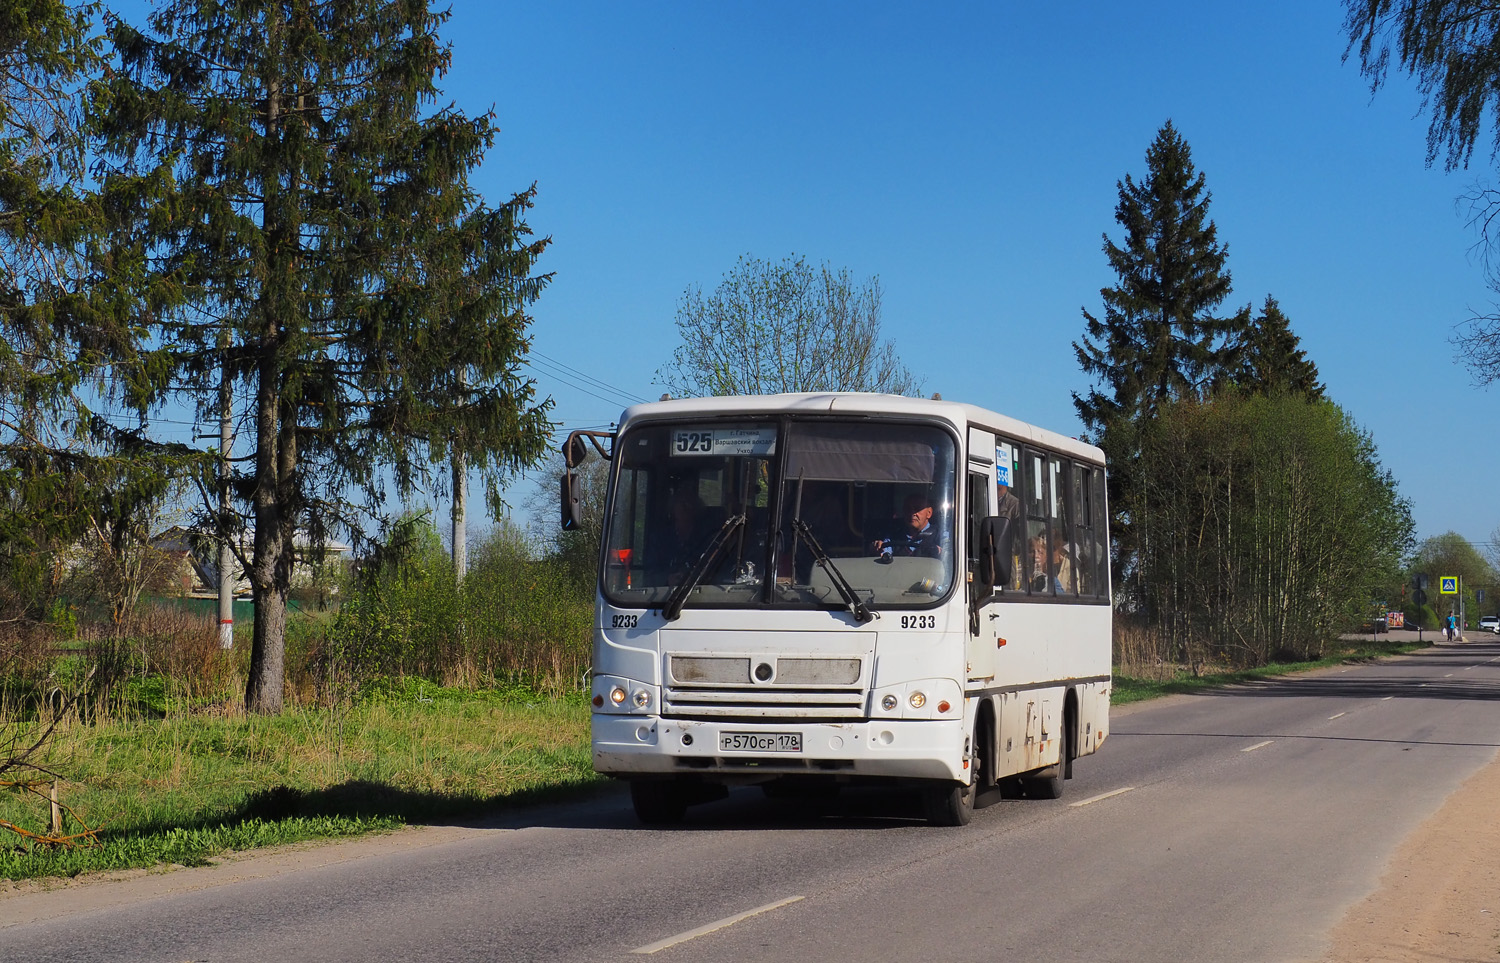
(56, 812)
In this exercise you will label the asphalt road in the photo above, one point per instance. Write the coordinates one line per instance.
(1238, 825)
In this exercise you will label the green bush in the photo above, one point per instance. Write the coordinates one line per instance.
(515, 617)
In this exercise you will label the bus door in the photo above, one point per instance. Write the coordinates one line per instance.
(983, 621)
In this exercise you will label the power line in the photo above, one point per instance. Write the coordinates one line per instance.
(572, 377)
(619, 391)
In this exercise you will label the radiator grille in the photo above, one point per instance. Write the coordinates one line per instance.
(755, 687)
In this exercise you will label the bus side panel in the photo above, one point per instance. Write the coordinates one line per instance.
(1093, 716)
(1050, 648)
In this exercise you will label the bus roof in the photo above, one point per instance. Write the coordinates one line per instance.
(862, 403)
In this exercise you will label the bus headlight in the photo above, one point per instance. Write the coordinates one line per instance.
(617, 695)
(642, 698)
(918, 699)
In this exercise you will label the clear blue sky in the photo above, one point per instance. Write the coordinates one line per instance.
(968, 155)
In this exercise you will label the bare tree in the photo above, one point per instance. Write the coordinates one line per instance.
(1451, 48)
(577, 550)
(787, 326)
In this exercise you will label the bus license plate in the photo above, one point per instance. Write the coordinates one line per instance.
(760, 742)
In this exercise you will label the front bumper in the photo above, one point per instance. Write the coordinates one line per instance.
(901, 749)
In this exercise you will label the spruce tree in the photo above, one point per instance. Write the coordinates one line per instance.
(67, 311)
(308, 232)
(1272, 359)
(1158, 339)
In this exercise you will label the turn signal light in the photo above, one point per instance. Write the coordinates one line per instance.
(944, 706)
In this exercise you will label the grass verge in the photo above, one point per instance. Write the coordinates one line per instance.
(1128, 689)
(185, 789)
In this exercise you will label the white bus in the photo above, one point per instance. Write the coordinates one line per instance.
(804, 590)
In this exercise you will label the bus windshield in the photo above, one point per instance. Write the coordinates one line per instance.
(723, 501)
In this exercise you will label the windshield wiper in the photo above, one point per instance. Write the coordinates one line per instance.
(858, 609)
(700, 568)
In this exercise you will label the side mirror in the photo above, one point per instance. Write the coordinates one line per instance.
(572, 502)
(575, 450)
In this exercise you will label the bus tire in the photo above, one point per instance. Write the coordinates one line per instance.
(952, 803)
(949, 803)
(658, 803)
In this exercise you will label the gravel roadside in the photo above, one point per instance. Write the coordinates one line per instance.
(1439, 898)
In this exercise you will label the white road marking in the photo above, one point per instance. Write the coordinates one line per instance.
(1331, 718)
(1387, 699)
(660, 945)
(1258, 745)
(1101, 796)
(1448, 676)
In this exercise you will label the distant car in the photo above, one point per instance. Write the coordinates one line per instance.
(1490, 623)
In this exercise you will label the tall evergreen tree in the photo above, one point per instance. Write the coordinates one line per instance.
(67, 339)
(1272, 359)
(310, 233)
(45, 57)
(1159, 339)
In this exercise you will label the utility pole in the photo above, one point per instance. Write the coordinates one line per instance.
(460, 507)
(1462, 617)
(226, 555)
(460, 500)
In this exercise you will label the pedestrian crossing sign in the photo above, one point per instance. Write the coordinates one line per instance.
(1448, 585)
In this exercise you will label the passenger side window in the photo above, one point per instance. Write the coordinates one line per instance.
(1035, 553)
(1101, 534)
(1010, 486)
(1062, 563)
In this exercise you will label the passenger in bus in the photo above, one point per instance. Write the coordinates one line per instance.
(1050, 571)
(1061, 568)
(1036, 564)
(917, 539)
(1008, 506)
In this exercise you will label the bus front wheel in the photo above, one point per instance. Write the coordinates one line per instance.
(952, 803)
(658, 803)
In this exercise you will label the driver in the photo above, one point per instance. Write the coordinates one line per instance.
(917, 539)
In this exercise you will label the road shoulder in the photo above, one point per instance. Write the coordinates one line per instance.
(1439, 898)
(34, 901)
